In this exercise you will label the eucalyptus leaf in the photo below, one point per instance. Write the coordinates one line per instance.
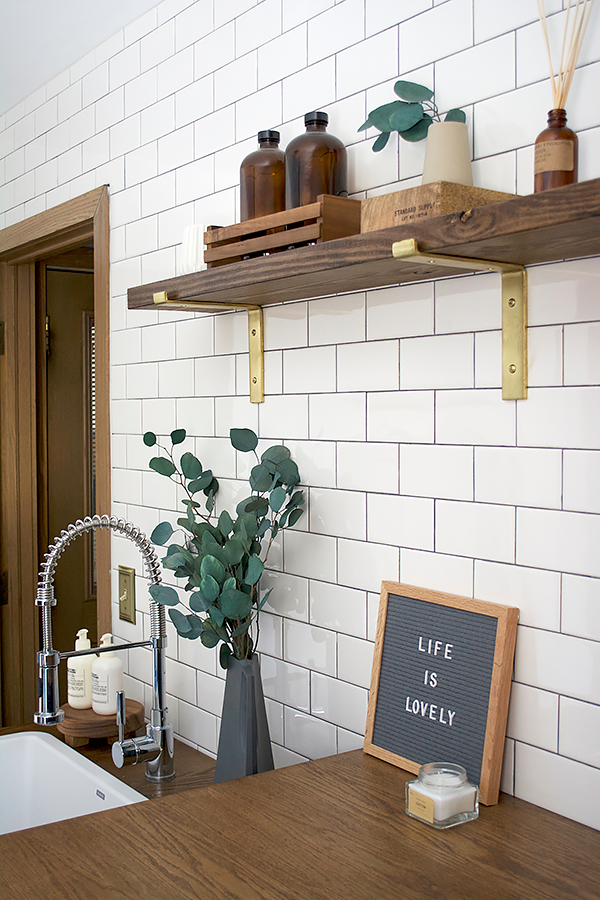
(294, 516)
(381, 141)
(235, 604)
(455, 115)
(224, 654)
(190, 466)
(277, 498)
(175, 561)
(208, 635)
(264, 600)
(161, 533)
(178, 436)
(210, 589)
(188, 557)
(149, 439)
(162, 465)
(180, 622)
(275, 454)
(216, 616)
(254, 570)
(258, 505)
(260, 478)
(243, 439)
(163, 594)
(405, 116)
(419, 131)
(248, 525)
(225, 523)
(198, 602)
(195, 628)
(194, 581)
(212, 548)
(209, 542)
(234, 551)
(263, 528)
(297, 499)
(213, 567)
(412, 92)
(380, 117)
(288, 471)
(201, 482)
(212, 487)
(242, 628)
(200, 528)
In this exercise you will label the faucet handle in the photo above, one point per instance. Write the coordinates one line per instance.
(121, 715)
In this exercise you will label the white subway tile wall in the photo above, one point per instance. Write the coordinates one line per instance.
(389, 399)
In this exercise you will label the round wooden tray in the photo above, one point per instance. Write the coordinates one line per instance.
(81, 725)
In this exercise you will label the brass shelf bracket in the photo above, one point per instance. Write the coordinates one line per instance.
(514, 308)
(255, 333)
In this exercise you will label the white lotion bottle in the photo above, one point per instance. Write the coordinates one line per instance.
(107, 679)
(79, 674)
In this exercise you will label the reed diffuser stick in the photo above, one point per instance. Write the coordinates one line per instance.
(573, 35)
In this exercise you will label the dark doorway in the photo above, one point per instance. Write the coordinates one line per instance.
(66, 436)
(44, 420)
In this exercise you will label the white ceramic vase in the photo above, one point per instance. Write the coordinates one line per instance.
(447, 154)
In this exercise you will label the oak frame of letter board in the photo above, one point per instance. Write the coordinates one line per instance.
(499, 694)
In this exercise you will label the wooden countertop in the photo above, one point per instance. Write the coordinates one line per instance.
(330, 829)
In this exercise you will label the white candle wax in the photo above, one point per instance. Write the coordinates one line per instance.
(450, 797)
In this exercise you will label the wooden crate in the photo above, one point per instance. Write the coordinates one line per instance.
(327, 219)
(436, 199)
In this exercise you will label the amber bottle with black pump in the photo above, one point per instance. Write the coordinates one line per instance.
(315, 163)
(262, 178)
(555, 153)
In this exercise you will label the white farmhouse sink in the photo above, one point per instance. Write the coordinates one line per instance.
(42, 780)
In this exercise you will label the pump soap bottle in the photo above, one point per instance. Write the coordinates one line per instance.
(315, 163)
(79, 674)
(262, 179)
(107, 679)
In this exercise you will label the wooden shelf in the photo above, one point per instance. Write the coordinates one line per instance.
(563, 223)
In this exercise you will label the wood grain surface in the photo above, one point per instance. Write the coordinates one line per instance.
(331, 829)
(558, 224)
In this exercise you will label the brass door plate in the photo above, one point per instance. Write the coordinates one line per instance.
(127, 594)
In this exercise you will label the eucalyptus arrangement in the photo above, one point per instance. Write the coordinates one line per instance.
(222, 559)
(410, 116)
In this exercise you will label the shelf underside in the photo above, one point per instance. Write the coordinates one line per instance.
(553, 225)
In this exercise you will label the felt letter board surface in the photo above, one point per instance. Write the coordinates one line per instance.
(441, 680)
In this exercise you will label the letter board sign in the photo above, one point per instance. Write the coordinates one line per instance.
(441, 680)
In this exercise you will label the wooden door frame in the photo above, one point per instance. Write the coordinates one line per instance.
(64, 227)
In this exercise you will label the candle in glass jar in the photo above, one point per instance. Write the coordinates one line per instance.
(442, 796)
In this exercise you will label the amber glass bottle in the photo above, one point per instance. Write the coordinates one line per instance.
(315, 163)
(555, 161)
(262, 178)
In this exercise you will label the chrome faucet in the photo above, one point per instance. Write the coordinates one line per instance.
(156, 747)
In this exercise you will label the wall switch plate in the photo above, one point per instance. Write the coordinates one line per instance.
(127, 594)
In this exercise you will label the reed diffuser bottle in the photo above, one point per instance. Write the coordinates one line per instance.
(556, 148)
(556, 153)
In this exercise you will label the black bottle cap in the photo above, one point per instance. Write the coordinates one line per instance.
(269, 136)
(321, 118)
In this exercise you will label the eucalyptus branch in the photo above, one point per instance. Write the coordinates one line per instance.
(224, 559)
